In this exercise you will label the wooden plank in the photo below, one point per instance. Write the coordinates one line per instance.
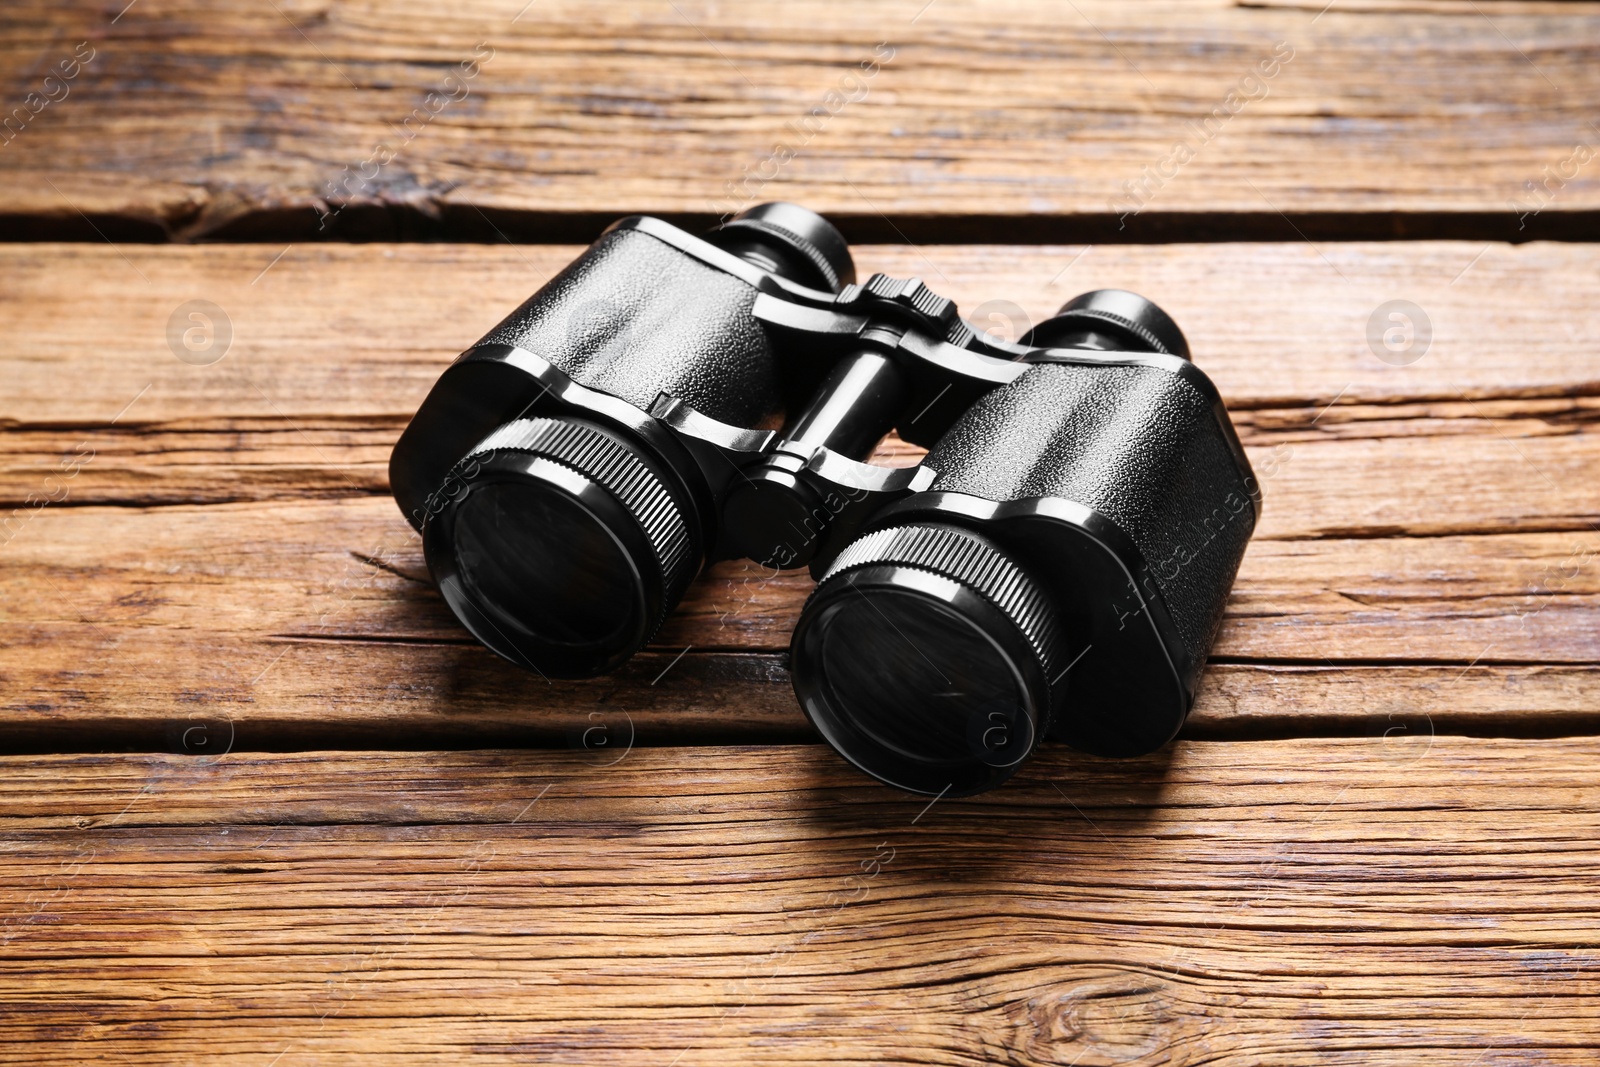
(352, 570)
(313, 622)
(1350, 471)
(1282, 903)
(340, 694)
(236, 117)
(1240, 701)
(334, 346)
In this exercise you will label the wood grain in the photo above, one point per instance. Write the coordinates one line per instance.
(236, 118)
(1282, 903)
(352, 570)
(218, 572)
(313, 622)
(390, 695)
(1354, 471)
(331, 332)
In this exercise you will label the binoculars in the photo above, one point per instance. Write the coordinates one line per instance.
(1056, 566)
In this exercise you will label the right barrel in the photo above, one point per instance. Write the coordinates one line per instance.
(1065, 576)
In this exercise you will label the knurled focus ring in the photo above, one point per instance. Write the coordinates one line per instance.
(969, 559)
(603, 460)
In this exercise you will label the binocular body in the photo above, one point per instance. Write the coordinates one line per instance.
(1055, 566)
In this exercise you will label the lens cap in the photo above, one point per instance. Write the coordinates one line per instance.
(559, 546)
(926, 656)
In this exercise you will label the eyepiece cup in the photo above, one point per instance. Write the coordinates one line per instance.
(1131, 322)
(925, 657)
(799, 243)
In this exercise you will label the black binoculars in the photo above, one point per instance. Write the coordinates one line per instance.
(1055, 566)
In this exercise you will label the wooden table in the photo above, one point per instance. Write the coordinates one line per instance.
(264, 802)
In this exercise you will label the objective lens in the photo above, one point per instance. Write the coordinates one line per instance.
(915, 676)
(538, 562)
(559, 546)
(924, 657)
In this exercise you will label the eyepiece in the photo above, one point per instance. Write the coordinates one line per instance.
(559, 545)
(790, 240)
(1110, 320)
(925, 657)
